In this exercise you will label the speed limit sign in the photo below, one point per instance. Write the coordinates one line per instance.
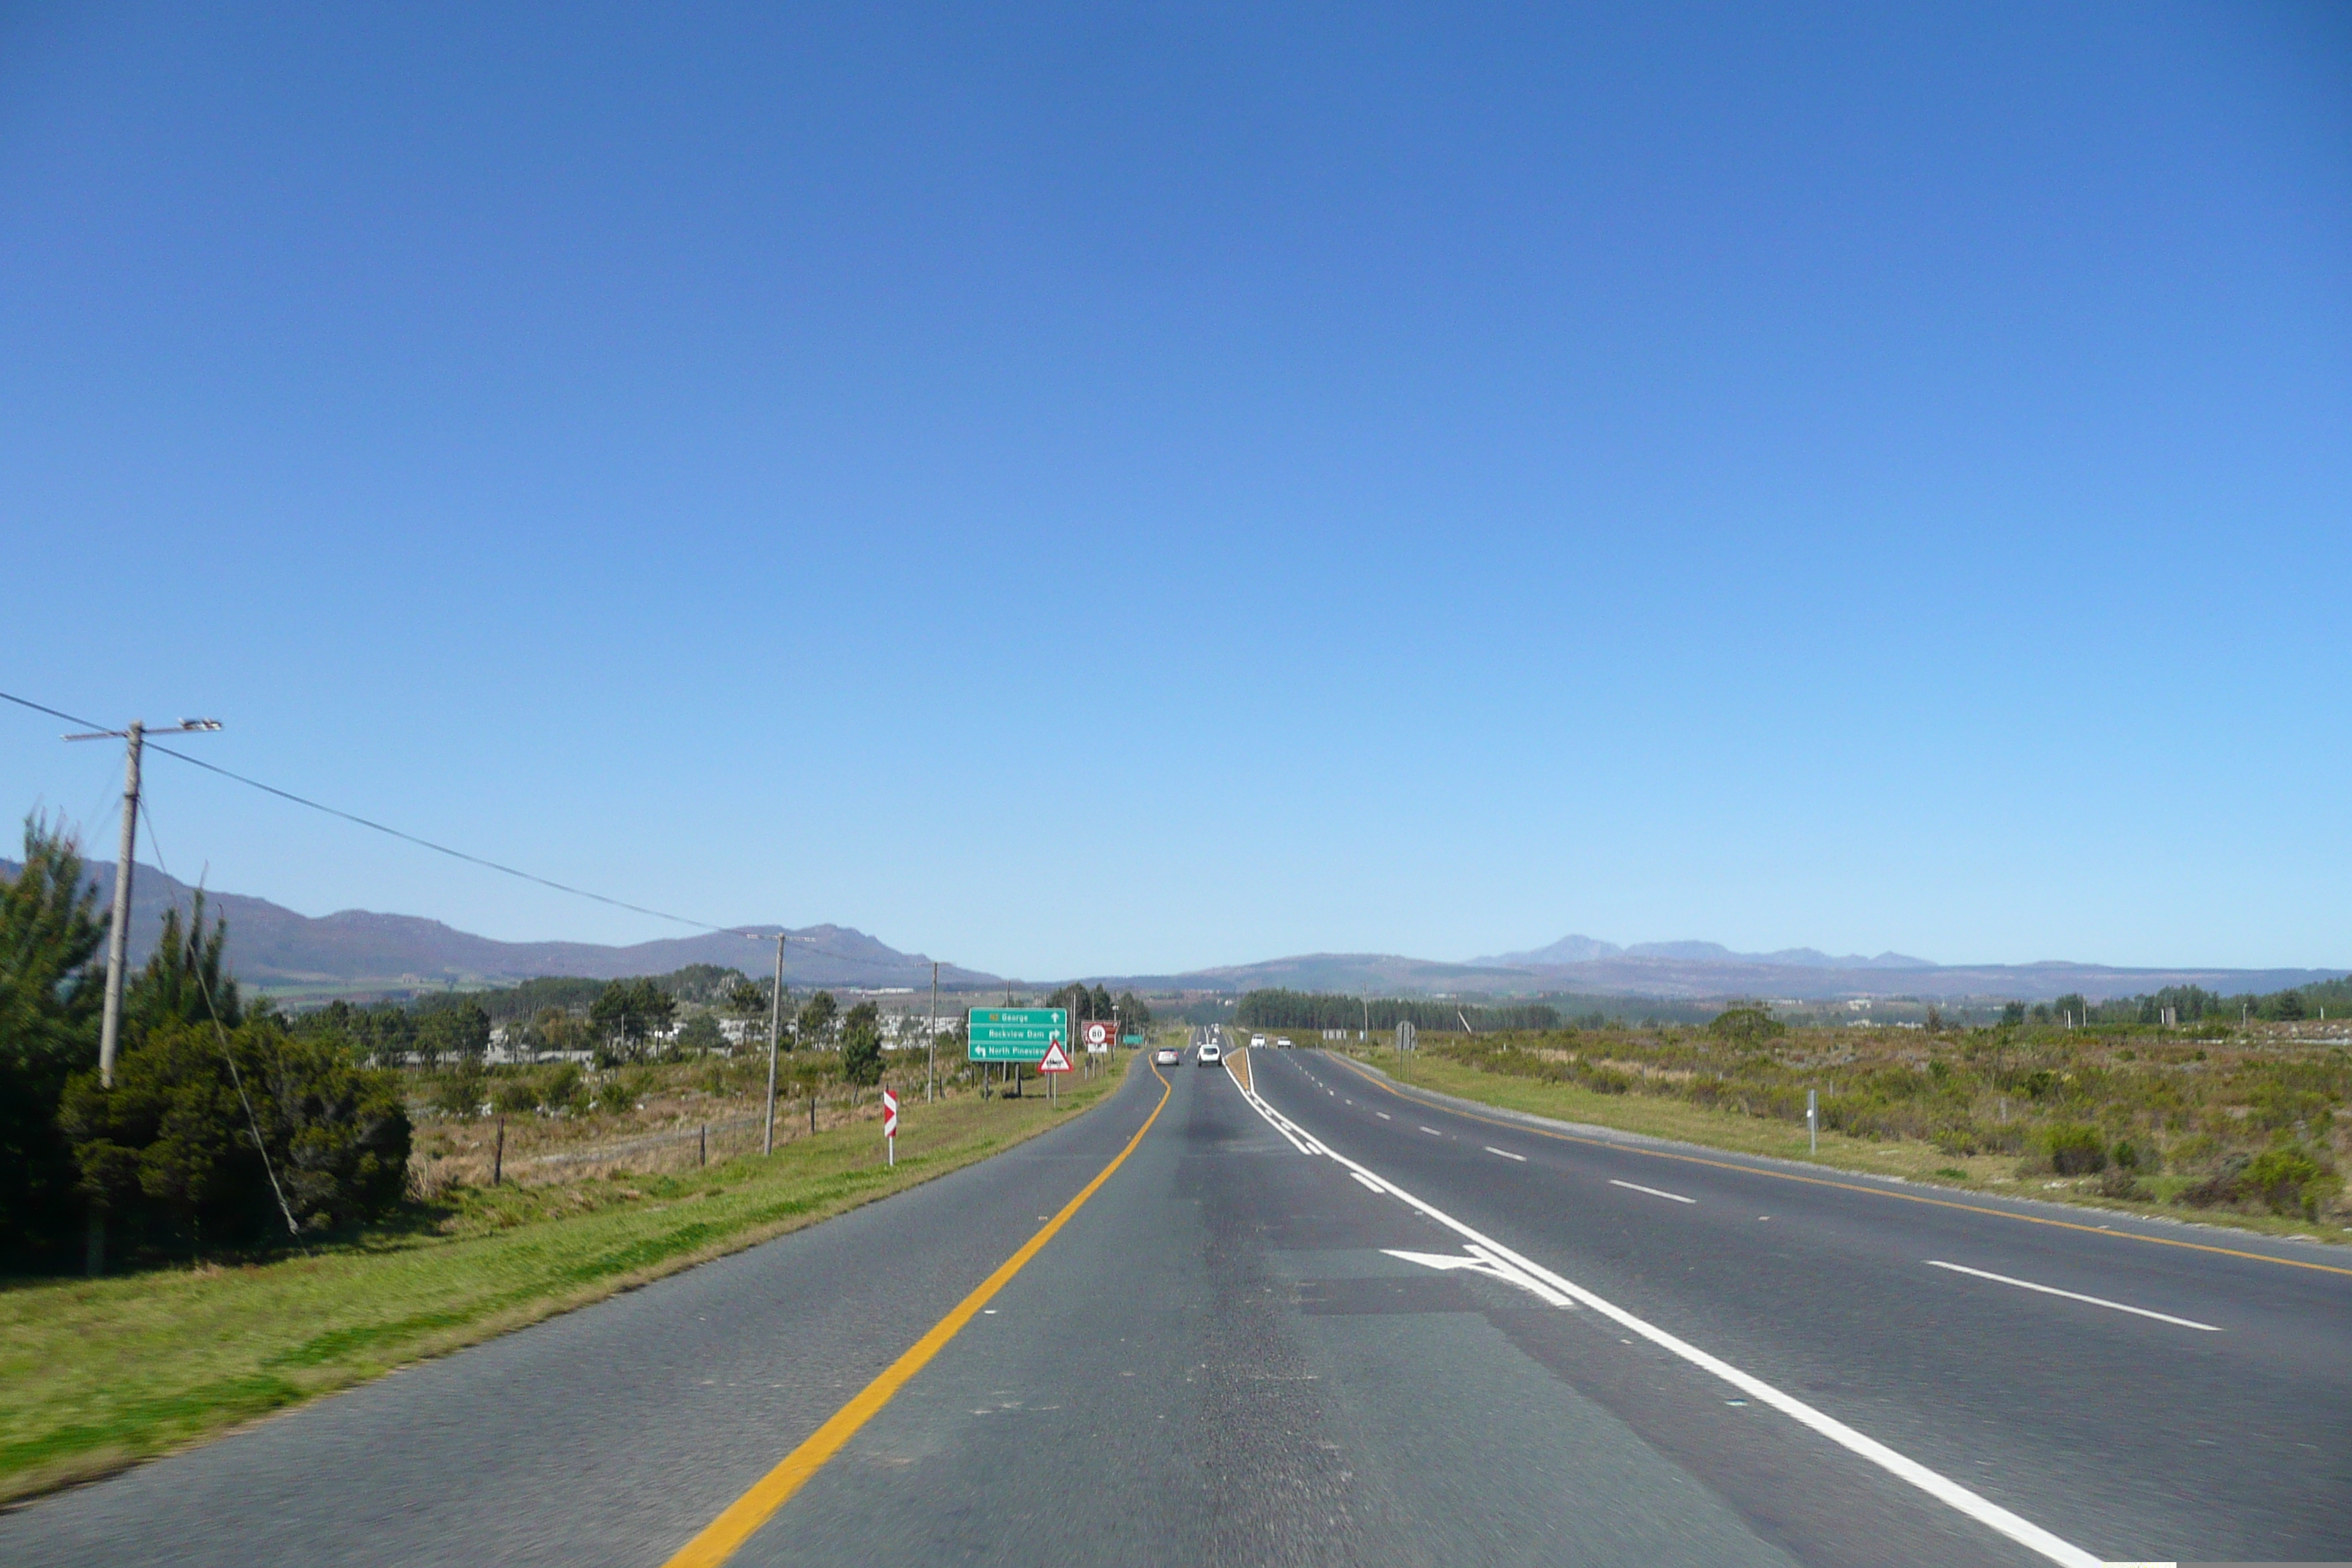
(1097, 1035)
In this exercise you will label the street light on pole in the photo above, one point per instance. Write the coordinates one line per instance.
(118, 941)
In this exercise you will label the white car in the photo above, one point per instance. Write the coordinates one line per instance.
(1166, 1057)
(1257, 1042)
(1212, 1054)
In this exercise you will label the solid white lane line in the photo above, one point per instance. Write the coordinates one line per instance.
(1275, 1119)
(1366, 1179)
(1990, 1514)
(2072, 1295)
(1654, 1192)
(1506, 1153)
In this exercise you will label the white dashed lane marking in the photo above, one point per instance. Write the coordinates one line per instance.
(1654, 1192)
(2072, 1295)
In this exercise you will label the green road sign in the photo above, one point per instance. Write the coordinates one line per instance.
(1016, 1034)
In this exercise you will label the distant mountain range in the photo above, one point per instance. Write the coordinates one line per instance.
(355, 953)
(1708, 971)
(1591, 950)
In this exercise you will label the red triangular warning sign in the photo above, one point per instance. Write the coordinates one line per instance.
(1056, 1059)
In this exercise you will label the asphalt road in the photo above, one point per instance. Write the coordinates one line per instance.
(1268, 1337)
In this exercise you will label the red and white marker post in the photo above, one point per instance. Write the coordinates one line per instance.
(890, 1126)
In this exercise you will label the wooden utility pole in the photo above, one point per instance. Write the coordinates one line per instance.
(775, 1028)
(118, 941)
(931, 1070)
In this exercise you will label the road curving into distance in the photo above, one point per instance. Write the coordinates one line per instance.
(1324, 1319)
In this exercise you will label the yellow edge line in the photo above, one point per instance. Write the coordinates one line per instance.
(1842, 1186)
(723, 1536)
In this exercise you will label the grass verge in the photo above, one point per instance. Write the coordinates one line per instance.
(97, 1374)
(1658, 1117)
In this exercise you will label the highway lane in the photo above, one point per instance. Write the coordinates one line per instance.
(2132, 1434)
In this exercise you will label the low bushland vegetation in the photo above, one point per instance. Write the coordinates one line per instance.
(2244, 1122)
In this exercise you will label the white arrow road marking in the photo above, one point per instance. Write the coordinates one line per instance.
(2072, 1296)
(1483, 1262)
(1953, 1495)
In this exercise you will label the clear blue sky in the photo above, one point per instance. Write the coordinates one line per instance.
(1102, 489)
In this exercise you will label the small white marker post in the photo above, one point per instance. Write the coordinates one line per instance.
(890, 1128)
(1813, 1118)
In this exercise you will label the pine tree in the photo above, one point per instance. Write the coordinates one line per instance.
(50, 993)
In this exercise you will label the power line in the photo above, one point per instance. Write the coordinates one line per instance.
(52, 713)
(444, 848)
(407, 838)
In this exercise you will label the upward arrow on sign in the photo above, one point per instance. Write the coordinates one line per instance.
(1056, 1059)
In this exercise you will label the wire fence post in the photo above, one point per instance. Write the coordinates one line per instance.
(498, 1155)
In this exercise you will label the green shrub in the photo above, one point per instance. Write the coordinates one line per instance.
(1606, 1080)
(2121, 1182)
(49, 1025)
(2288, 1179)
(563, 1090)
(2075, 1150)
(461, 1091)
(861, 1047)
(514, 1097)
(2224, 1186)
(621, 1091)
(169, 1154)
